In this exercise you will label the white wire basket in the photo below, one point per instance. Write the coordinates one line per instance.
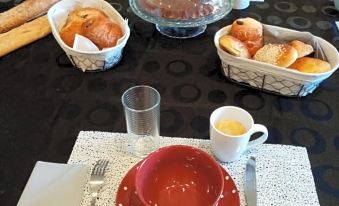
(88, 61)
(274, 79)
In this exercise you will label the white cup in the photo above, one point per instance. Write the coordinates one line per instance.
(228, 148)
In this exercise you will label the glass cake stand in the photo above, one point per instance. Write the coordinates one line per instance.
(181, 18)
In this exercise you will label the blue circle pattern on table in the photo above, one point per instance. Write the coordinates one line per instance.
(324, 25)
(298, 22)
(319, 173)
(286, 7)
(308, 135)
(171, 121)
(103, 115)
(263, 5)
(322, 111)
(186, 93)
(251, 100)
(179, 68)
(330, 11)
(274, 20)
(309, 9)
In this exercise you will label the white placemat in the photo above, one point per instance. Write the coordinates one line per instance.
(284, 176)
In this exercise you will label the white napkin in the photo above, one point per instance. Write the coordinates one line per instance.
(54, 184)
(82, 43)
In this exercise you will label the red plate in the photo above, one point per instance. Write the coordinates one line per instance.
(126, 194)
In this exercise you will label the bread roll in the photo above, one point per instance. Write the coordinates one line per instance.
(254, 46)
(311, 65)
(234, 46)
(23, 35)
(281, 55)
(302, 48)
(92, 24)
(74, 23)
(249, 31)
(23, 12)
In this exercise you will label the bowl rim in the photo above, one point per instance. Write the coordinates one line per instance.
(213, 161)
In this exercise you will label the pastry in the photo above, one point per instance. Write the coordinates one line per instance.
(234, 46)
(177, 9)
(249, 31)
(23, 12)
(281, 55)
(24, 34)
(92, 24)
(311, 65)
(302, 48)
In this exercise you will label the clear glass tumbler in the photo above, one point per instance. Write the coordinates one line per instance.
(142, 112)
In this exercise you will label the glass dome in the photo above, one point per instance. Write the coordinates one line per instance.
(181, 18)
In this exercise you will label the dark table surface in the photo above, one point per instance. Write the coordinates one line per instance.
(45, 102)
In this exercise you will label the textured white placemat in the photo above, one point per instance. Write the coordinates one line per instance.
(284, 176)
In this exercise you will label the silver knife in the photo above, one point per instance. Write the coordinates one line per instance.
(251, 183)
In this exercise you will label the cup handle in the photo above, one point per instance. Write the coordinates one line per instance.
(259, 140)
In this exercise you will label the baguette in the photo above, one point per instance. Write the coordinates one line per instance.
(24, 34)
(23, 12)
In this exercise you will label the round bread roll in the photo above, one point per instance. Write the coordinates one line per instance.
(254, 46)
(311, 65)
(249, 31)
(234, 46)
(92, 24)
(302, 48)
(281, 55)
(102, 32)
(246, 29)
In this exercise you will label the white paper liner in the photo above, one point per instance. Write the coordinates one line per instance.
(284, 176)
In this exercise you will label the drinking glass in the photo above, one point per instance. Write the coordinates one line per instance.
(142, 112)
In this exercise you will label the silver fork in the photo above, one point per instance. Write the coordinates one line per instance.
(97, 179)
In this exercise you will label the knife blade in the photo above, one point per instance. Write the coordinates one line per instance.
(251, 182)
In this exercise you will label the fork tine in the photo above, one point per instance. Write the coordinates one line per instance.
(100, 167)
(103, 165)
(96, 167)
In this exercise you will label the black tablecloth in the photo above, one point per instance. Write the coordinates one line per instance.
(45, 102)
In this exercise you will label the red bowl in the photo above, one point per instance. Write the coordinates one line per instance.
(179, 175)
